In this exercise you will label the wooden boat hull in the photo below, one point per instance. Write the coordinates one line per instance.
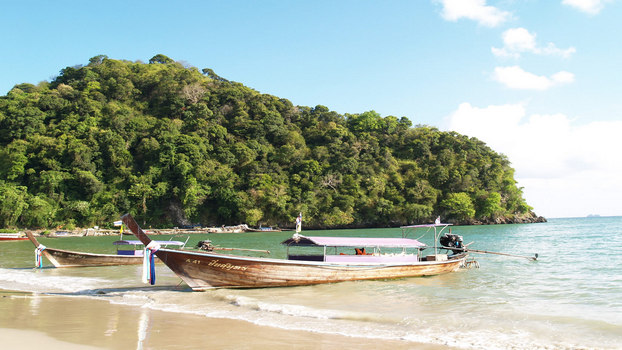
(68, 258)
(203, 271)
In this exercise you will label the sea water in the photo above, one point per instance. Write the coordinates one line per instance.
(570, 298)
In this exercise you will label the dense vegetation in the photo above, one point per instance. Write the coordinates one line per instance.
(174, 145)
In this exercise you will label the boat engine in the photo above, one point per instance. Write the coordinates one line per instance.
(452, 241)
(205, 245)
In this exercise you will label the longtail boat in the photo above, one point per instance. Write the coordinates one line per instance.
(12, 237)
(69, 258)
(206, 270)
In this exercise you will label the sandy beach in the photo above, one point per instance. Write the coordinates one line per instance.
(29, 321)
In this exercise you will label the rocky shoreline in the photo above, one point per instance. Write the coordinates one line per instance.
(528, 218)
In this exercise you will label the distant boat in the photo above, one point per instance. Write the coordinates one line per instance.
(228, 229)
(131, 255)
(12, 237)
(206, 270)
(263, 229)
(61, 234)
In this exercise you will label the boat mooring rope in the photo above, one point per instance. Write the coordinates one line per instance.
(149, 263)
(38, 258)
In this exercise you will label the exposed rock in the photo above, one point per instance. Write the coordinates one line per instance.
(528, 218)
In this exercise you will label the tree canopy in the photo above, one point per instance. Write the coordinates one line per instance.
(174, 145)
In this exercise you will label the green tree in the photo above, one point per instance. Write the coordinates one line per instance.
(160, 58)
(144, 187)
(174, 144)
(490, 207)
(458, 206)
(14, 160)
(13, 202)
(40, 213)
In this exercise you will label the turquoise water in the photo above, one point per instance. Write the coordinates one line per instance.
(570, 298)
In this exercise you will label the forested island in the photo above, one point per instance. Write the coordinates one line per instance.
(175, 145)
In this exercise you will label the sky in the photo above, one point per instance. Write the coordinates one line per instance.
(539, 81)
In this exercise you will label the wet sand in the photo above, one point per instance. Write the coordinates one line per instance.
(29, 321)
(20, 339)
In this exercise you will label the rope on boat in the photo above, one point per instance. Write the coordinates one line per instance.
(38, 257)
(149, 263)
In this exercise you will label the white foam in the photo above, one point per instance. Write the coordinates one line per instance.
(38, 281)
(285, 309)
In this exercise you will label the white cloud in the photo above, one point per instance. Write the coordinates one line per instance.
(519, 40)
(566, 169)
(591, 7)
(562, 77)
(514, 77)
(476, 10)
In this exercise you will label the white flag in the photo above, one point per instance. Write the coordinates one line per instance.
(299, 223)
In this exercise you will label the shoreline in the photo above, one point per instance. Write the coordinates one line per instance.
(531, 218)
(29, 320)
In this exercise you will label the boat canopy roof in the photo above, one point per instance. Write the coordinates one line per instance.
(353, 242)
(137, 242)
(427, 225)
